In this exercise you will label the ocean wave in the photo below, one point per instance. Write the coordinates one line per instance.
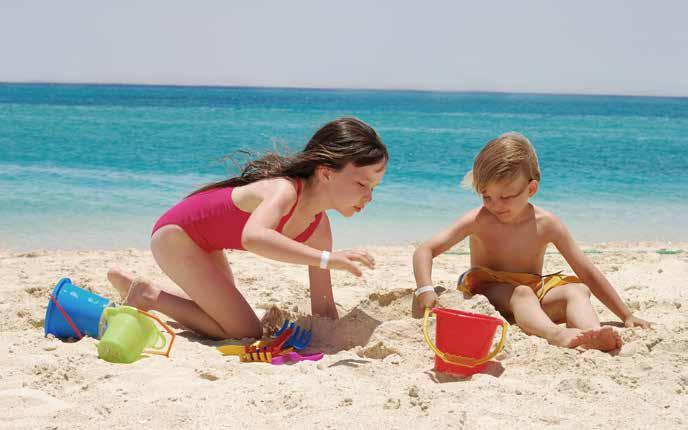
(10, 170)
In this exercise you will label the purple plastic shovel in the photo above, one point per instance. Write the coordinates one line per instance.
(293, 357)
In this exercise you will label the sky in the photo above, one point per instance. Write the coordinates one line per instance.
(628, 47)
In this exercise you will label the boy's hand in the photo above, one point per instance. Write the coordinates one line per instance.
(633, 321)
(422, 302)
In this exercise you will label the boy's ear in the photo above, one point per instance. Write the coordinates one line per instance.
(533, 186)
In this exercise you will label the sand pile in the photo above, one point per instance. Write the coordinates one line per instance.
(377, 370)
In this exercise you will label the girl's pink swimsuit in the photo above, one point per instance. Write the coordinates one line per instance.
(214, 222)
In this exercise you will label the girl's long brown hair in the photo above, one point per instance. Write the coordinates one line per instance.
(337, 143)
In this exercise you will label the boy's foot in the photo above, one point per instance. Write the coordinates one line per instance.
(567, 338)
(602, 338)
(136, 292)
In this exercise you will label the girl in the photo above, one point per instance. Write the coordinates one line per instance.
(276, 209)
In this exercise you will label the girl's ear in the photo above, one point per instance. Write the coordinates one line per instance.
(533, 186)
(323, 173)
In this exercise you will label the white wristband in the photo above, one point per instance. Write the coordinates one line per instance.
(324, 259)
(424, 289)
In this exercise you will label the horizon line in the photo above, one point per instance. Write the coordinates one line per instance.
(335, 88)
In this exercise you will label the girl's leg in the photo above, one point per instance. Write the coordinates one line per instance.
(144, 295)
(128, 285)
(523, 304)
(126, 282)
(215, 307)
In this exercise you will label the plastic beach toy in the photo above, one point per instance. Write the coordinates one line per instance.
(262, 350)
(241, 349)
(294, 357)
(299, 339)
(74, 312)
(266, 353)
(130, 331)
(463, 340)
(277, 351)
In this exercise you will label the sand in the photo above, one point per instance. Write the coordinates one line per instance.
(377, 369)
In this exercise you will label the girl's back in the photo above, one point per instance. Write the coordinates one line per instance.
(215, 218)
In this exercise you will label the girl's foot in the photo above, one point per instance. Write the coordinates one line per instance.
(136, 292)
(121, 281)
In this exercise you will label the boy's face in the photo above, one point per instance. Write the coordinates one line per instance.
(507, 199)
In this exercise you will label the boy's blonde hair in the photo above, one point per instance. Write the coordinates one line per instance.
(503, 158)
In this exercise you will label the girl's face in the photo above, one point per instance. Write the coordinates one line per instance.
(507, 199)
(351, 188)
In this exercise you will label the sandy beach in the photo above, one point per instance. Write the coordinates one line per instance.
(377, 369)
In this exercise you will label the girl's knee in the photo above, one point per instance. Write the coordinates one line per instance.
(252, 330)
(240, 324)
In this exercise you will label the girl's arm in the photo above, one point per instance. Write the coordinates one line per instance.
(592, 277)
(260, 237)
(322, 301)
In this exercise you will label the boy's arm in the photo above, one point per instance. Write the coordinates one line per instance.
(322, 300)
(592, 277)
(438, 244)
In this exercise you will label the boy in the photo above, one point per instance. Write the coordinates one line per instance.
(508, 239)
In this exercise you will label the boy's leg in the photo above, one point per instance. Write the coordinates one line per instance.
(571, 304)
(522, 302)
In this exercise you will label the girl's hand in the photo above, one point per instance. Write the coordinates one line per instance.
(633, 321)
(344, 260)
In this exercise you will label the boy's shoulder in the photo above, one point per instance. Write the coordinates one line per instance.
(547, 222)
(544, 214)
(473, 215)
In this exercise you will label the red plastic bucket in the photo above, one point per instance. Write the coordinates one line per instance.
(463, 340)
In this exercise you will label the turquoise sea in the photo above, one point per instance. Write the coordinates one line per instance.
(93, 166)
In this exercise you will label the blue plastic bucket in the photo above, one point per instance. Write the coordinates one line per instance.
(83, 307)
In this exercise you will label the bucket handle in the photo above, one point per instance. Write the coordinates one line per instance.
(458, 359)
(167, 329)
(66, 317)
